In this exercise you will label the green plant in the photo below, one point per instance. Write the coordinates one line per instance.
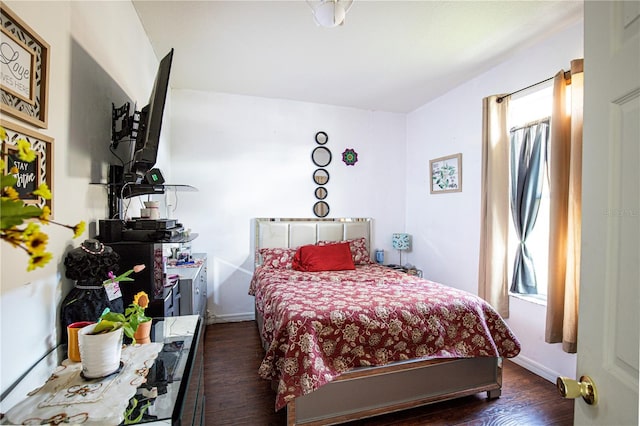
(133, 314)
(20, 222)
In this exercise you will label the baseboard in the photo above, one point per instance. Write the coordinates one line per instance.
(536, 368)
(247, 316)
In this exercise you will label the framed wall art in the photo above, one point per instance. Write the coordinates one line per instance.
(24, 70)
(32, 174)
(446, 174)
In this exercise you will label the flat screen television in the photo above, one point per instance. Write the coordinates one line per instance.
(148, 138)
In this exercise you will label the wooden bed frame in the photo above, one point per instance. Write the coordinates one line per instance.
(371, 391)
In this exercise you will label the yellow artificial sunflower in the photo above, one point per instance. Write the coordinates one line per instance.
(141, 299)
(37, 242)
(43, 191)
(25, 153)
(45, 215)
(11, 193)
(79, 229)
(38, 260)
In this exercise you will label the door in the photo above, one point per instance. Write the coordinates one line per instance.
(608, 333)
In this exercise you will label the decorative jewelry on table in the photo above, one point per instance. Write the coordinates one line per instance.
(98, 247)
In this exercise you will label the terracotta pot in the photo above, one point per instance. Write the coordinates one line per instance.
(143, 332)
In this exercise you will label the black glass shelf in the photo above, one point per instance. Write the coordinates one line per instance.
(128, 190)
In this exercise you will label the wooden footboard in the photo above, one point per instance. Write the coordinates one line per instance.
(368, 392)
(373, 391)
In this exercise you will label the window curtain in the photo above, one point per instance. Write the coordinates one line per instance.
(528, 158)
(565, 181)
(494, 215)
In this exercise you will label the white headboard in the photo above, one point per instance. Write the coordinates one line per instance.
(292, 233)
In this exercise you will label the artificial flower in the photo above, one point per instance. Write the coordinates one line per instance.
(11, 193)
(38, 260)
(133, 314)
(46, 214)
(43, 191)
(37, 242)
(79, 229)
(124, 276)
(25, 153)
(141, 299)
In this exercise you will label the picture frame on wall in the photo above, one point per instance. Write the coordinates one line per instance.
(24, 70)
(32, 174)
(446, 174)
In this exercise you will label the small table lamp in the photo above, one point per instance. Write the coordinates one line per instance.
(401, 242)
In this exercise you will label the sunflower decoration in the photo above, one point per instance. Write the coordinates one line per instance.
(133, 314)
(20, 222)
(142, 300)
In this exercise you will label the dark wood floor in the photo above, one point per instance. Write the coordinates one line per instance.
(236, 395)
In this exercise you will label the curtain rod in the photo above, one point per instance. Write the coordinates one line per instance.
(567, 75)
(530, 124)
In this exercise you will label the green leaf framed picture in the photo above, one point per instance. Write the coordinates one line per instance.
(446, 174)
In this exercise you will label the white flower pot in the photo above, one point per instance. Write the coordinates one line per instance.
(99, 353)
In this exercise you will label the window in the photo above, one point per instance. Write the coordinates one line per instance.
(532, 107)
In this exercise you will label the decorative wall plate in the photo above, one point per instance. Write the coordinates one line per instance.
(322, 138)
(321, 156)
(350, 157)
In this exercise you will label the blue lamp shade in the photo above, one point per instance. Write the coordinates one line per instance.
(401, 242)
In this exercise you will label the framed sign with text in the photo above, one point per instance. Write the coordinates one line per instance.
(30, 174)
(446, 174)
(24, 70)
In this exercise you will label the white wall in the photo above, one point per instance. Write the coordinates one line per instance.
(99, 54)
(251, 157)
(446, 227)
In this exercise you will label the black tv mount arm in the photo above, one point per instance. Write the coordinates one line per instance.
(129, 124)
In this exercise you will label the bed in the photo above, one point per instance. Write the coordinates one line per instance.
(354, 341)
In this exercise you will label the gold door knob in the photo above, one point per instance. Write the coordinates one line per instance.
(572, 389)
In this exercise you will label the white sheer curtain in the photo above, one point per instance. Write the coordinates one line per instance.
(494, 215)
(565, 176)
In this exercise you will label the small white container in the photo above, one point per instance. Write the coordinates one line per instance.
(154, 209)
(99, 353)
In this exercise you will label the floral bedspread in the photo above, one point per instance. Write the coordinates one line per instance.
(320, 324)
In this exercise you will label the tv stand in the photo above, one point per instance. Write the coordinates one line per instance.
(118, 189)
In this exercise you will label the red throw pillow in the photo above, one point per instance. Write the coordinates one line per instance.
(334, 257)
(358, 250)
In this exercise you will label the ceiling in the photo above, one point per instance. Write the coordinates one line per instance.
(389, 55)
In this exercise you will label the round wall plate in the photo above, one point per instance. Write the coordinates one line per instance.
(321, 209)
(321, 156)
(322, 138)
(321, 176)
(321, 193)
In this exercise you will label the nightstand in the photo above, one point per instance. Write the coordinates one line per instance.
(411, 270)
